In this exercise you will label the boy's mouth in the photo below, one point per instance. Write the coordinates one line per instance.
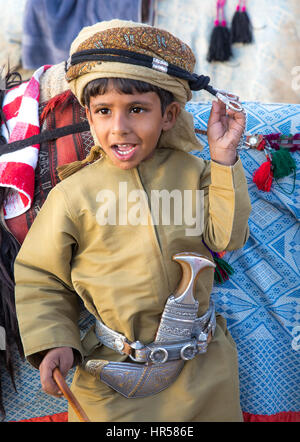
(124, 151)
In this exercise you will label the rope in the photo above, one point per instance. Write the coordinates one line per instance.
(196, 82)
(46, 135)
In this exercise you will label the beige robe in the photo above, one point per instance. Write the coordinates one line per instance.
(124, 274)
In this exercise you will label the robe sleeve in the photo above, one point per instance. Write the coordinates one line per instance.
(46, 303)
(226, 205)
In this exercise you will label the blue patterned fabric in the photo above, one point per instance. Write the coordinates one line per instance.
(30, 401)
(260, 301)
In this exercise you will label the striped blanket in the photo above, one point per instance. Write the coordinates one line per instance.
(17, 169)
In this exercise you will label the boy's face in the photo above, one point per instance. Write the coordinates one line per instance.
(128, 126)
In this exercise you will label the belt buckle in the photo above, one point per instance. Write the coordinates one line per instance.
(202, 342)
(119, 344)
(188, 352)
(136, 345)
(159, 355)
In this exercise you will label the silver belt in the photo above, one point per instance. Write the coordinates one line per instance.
(161, 352)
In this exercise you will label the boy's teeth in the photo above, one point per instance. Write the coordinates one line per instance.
(124, 149)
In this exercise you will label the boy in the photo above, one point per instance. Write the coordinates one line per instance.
(116, 258)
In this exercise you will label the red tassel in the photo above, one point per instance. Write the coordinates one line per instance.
(58, 100)
(261, 145)
(263, 177)
(221, 254)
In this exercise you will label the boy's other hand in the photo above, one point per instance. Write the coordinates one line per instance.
(224, 130)
(61, 357)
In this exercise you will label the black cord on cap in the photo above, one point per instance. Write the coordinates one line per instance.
(196, 82)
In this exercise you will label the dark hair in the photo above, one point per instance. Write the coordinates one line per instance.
(125, 86)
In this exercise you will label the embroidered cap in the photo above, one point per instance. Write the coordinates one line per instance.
(156, 44)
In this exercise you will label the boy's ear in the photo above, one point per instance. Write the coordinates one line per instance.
(88, 114)
(170, 115)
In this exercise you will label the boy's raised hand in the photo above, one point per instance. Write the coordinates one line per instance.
(224, 130)
(61, 357)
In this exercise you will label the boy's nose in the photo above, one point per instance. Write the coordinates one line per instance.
(120, 125)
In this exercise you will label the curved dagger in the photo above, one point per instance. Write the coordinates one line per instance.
(181, 308)
(192, 264)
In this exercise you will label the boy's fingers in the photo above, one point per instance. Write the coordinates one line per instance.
(66, 360)
(220, 114)
(49, 386)
(217, 112)
(63, 359)
(239, 117)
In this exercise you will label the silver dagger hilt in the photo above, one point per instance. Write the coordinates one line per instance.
(181, 308)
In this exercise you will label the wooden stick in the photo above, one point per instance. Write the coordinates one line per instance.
(59, 379)
(200, 131)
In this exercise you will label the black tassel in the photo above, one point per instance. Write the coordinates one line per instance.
(220, 43)
(241, 26)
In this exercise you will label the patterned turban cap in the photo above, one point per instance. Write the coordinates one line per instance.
(144, 40)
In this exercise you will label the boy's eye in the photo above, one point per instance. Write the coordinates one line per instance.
(137, 109)
(103, 111)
